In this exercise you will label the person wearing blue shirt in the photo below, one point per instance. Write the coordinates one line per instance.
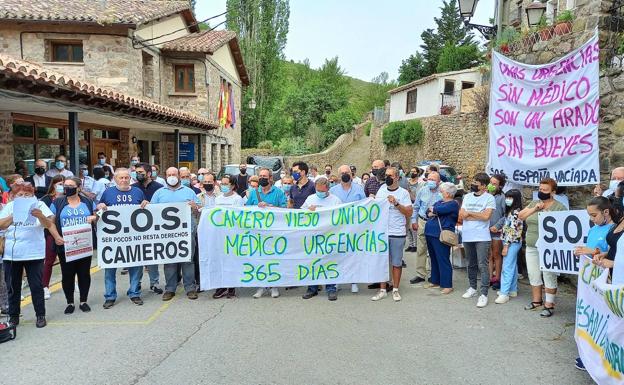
(3, 185)
(122, 194)
(266, 195)
(426, 197)
(175, 192)
(347, 191)
(70, 210)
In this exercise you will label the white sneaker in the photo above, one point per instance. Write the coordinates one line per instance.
(512, 294)
(46, 293)
(501, 299)
(355, 288)
(469, 293)
(260, 292)
(274, 292)
(395, 295)
(482, 301)
(381, 294)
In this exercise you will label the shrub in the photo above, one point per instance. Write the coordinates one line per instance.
(367, 128)
(293, 146)
(338, 123)
(412, 132)
(392, 134)
(265, 145)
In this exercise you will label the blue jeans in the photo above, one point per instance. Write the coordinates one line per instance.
(188, 276)
(329, 288)
(509, 276)
(154, 275)
(110, 282)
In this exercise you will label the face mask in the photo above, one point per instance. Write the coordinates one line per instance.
(210, 186)
(381, 173)
(242, 170)
(413, 175)
(133, 174)
(59, 189)
(401, 173)
(186, 182)
(200, 178)
(389, 180)
(474, 188)
(327, 172)
(140, 178)
(345, 178)
(286, 187)
(154, 174)
(224, 189)
(39, 170)
(85, 172)
(70, 191)
(172, 181)
(321, 194)
(60, 165)
(102, 161)
(431, 185)
(508, 202)
(543, 196)
(296, 176)
(264, 182)
(613, 184)
(491, 188)
(134, 162)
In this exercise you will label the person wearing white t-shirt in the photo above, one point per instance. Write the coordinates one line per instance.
(475, 213)
(399, 211)
(228, 198)
(322, 198)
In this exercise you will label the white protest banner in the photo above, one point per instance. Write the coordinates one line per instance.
(130, 236)
(599, 330)
(78, 241)
(558, 234)
(256, 247)
(543, 119)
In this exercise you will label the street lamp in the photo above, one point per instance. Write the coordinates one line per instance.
(535, 11)
(467, 8)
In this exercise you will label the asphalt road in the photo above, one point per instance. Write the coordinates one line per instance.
(426, 338)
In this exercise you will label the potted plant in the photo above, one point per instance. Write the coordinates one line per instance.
(563, 23)
(506, 39)
(544, 29)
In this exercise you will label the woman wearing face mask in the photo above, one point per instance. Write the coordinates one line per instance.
(253, 183)
(287, 183)
(55, 190)
(511, 227)
(72, 209)
(365, 178)
(24, 249)
(545, 202)
(497, 182)
(11, 179)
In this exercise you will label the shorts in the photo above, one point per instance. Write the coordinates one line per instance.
(395, 250)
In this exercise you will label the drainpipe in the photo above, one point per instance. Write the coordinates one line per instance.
(176, 148)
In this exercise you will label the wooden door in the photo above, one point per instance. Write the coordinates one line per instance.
(110, 148)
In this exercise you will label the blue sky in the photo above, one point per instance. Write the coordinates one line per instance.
(368, 36)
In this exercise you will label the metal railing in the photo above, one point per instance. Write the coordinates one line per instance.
(451, 103)
(613, 53)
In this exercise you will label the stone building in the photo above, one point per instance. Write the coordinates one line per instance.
(121, 77)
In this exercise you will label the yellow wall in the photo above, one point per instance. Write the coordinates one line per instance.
(223, 57)
(161, 27)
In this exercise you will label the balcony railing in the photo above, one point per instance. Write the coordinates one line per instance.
(451, 103)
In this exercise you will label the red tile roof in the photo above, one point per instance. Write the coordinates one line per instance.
(206, 41)
(91, 11)
(54, 83)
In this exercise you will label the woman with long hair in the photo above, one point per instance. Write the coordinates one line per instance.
(511, 237)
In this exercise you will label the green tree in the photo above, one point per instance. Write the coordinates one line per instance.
(453, 58)
(412, 68)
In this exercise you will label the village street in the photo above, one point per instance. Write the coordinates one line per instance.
(426, 338)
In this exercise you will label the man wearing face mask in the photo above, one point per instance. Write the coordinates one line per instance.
(208, 189)
(175, 192)
(617, 176)
(60, 164)
(39, 179)
(87, 183)
(427, 196)
(278, 184)
(322, 198)
(242, 180)
(348, 191)
(122, 193)
(109, 170)
(303, 187)
(376, 180)
(356, 179)
(185, 179)
(328, 170)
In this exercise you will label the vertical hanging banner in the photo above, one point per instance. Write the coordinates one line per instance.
(599, 330)
(543, 119)
(268, 247)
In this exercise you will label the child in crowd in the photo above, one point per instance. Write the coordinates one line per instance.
(512, 228)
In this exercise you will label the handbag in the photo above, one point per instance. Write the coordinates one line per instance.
(447, 237)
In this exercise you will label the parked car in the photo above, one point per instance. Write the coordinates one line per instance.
(447, 171)
(232, 169)
(273, 163)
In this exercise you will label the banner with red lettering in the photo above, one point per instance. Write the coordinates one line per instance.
(543, 119)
